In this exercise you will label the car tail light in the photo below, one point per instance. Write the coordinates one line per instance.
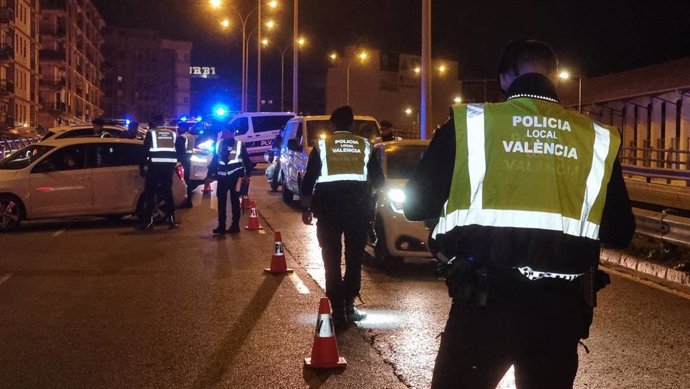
(180, 172)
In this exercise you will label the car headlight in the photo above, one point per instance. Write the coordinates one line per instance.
(198, 159)
(396, 198)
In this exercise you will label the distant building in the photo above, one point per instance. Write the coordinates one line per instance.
(649, 105)
(145, 75)
(70, 62)
(18, 63)
(387, 86)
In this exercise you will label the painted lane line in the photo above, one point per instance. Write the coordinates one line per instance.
(5, 278)
(299, 285)
(58, 233)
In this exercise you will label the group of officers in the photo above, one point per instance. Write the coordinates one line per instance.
(164, 150)
(519, 248)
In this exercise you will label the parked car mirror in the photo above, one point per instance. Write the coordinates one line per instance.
(293, 145)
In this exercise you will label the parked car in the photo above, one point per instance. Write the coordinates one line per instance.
(75, 177)
(298, 140)
(67, 132)
(257, 130)
(398, 237)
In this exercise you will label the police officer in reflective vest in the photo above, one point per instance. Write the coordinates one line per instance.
(185, 141)
(340, 173)
(158, 166)
(525, 192)
(230, 163)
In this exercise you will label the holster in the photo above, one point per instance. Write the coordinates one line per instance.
(591, 283)
(466, 279)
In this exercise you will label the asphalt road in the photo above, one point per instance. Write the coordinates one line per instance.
(94, 304)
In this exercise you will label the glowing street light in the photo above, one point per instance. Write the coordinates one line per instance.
(215, 3)
(333, 56)
(408, 111)
(565, 75)
(264, 42)
(362, 55)
(270, 24)
(442, 69)
(225, 23)
(300, 42)
(457, 100)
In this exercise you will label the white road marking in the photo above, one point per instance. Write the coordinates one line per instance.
(5, 278)
(58, 233)
(299, 285)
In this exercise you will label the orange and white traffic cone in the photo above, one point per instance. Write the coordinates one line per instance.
(278, 264)
(207, 188)
(324, 352)
(253, 223)
(246, 203)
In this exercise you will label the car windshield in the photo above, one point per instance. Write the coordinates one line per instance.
(401, 161)
(24, 157)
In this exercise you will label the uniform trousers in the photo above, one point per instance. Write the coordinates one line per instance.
(225, 185)
(159, 181)
(342, 291)
(534, 325)
(187, 165)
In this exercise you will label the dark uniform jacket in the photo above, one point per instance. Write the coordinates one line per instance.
(216, 169)
(341, 200)
(509, 247)
(148, 154)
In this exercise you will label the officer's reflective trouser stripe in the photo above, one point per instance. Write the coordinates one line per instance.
(156, 159)
(523, 219)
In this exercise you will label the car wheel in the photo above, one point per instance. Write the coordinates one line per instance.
(11, 213)
(381, 253)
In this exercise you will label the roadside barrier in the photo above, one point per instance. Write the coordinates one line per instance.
(278, 264)
(253, 223)
(324, 352)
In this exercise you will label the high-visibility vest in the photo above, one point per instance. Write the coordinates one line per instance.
(229, 158)
(344, 157)
(163, 146)
(529, 163)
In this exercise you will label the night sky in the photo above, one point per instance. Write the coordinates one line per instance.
(591, 38)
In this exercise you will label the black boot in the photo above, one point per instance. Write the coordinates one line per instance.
(145, 225)
(234, 228)
(218, 231)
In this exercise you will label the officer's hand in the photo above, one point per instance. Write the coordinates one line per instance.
(306, 217)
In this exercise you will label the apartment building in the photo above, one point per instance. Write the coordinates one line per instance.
(19, 45)
(145, 75)
(70, 62)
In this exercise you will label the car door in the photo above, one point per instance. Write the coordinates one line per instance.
(61, 184)
(116, 180)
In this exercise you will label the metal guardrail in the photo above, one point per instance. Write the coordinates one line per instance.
(10, 145)
(664, 226)
(651, 172)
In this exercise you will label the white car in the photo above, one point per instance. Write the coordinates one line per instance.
(75, 177)
(299, 136)
(82, 132)
(398, 237)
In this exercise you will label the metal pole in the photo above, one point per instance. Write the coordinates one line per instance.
(347, 83)
(425, 108)
(243, 108)
(579, 94)
(258, 59)
(295, 51)
(282, 79)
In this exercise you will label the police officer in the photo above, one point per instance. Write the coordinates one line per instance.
(340, 173)
(230, 163)
(386, 131)
(158, 166)
(185, 142)
(525, 192)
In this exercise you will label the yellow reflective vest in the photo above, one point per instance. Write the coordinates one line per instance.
(529, 163)
(344, 157)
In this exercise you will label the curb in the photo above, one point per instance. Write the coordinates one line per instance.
(639, 265)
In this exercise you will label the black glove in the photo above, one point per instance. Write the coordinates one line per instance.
(306, 217)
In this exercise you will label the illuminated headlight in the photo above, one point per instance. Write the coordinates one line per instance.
(198, 159)
(208, 145)
(397, 199)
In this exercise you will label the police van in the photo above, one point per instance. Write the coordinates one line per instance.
(256, 130)
(299, 137)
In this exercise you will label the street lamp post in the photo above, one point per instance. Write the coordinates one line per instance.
(295, 55)
(565, 75)
(362, 56)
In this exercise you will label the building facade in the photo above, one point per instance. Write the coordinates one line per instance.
(387, 85)
(145, 75)
(70, 62)
(19, 45)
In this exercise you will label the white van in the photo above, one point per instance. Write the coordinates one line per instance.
(257, 130)
(299, 137)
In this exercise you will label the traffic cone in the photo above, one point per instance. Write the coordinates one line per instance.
(253, 223)
(246, 203)
(324, 352)
(207, 188)
(278, 264)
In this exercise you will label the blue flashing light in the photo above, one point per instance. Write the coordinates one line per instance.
(127, 121)
(221, 112)
(199, 118)
(183, 118)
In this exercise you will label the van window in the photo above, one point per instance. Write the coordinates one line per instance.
(269, 123)
(290, 132)
(367, 129)
(239, 125)
(315, 128)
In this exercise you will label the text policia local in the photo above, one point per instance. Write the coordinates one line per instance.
(545, 131)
